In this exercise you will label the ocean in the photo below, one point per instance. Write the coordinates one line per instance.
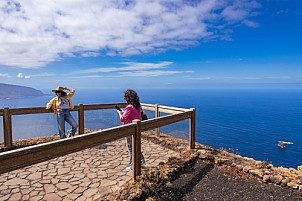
(250, 122)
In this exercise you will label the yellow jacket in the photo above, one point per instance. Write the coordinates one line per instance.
(53, 103)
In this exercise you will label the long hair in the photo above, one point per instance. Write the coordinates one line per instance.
(63, 93)
(132, 98)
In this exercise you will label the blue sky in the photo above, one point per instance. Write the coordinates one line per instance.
(151, 44)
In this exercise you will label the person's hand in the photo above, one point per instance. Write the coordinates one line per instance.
(120, 113)
(58, 110)
(65, 88)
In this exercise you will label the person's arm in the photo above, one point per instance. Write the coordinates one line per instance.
(126, 114)
(50, 105)
(71, 92)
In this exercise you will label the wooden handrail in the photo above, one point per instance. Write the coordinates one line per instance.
(164, 109)
(81, 119)
(41, 110)
(7, 127)
(136, 149)
(23, 157)
(104, 106)
(148, 106)
(192, 127)
(157, 114)
(165, 120)
(173, 108)
(30, 110)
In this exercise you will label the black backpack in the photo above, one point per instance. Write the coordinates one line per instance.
(144, 116)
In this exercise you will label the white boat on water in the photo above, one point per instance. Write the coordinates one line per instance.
(282, 144)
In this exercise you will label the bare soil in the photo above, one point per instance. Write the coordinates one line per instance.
(205, 181)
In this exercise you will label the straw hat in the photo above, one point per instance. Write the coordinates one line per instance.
(58, 89)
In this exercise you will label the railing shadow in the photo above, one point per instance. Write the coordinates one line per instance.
(185, 183)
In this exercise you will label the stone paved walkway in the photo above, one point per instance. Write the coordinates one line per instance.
(84, 175)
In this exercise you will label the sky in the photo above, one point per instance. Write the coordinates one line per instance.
(98, 44)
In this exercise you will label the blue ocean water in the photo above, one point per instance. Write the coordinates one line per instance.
(252, 121)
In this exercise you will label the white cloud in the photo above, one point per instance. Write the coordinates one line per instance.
(131, 66)
(132, 69)
(199, 78)
(259, 78)
(33, 34)
(250, 23)
(87, 76)
(282, 11)
(42, 75)
(4, 75)
(21, 76)
(280, 78)
(149, 73)
(90, 54)
(239, 10)
(244, 78)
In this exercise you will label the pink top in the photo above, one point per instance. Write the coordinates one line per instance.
(130, 114)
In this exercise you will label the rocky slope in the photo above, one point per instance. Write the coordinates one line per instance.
(159, 179)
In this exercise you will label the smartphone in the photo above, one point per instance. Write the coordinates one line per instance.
(117, 107)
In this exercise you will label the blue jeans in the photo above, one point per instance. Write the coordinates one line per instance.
(129, 146)
(62, 116)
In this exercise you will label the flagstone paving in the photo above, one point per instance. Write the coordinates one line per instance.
(84, 175)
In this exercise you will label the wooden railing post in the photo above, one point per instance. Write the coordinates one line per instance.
(136, 149)
(192, 128)
(157, 114)
(81, 119)
(7, 127)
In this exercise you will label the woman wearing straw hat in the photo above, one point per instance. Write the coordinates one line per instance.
(61, 105)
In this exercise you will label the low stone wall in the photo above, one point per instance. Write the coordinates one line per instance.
(261, 169)
(158, 178)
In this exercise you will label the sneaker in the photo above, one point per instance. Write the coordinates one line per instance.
(129, 169)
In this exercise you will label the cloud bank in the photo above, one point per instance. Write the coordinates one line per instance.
(35, 33)
(132, 69)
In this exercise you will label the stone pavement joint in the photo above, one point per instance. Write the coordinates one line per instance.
(84, 175)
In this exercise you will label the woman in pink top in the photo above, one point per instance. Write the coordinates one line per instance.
(132, 111)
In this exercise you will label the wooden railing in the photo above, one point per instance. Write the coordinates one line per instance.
(23, 157)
